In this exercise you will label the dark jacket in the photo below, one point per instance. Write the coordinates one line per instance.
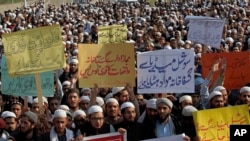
(46, 137)
(19, 136)
(135, 130)
(89, 130)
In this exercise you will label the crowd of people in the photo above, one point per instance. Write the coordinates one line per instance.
(74, 113)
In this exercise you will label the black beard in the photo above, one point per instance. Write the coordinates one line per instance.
(28, 131)
(161, 120)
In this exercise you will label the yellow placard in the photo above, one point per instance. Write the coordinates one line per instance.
(152, 2)
(109, 65)
(34, 51)
(112, 34)
(214, 124)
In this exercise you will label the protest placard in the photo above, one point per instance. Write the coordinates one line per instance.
(152, 2)
(34, 51)
(206, 31)
(25, 85)
(107, 137)
(112, 34)
(109, 65)
(215, 127)
(237, 72)
(165, 71)
(170, 138)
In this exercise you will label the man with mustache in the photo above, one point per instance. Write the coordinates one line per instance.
(27, 126)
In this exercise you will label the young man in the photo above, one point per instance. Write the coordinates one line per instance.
(245, 96)
(112, 112)
(10, 120)
(73, 100)
(216, 100)
(27, 132)
(59, 132)
(129, 123)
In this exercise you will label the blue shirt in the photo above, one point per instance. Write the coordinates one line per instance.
(163, 130)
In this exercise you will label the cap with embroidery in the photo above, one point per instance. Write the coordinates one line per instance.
(60, 113)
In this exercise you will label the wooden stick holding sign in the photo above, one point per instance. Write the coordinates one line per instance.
(39, 93)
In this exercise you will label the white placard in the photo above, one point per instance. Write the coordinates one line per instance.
(206, 31)
(165, 71)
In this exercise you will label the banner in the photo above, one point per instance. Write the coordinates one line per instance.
(25, 85)
(109, 65)
(112, 34)
(170, 138)
(165, 71)
(237, 72)
(107, 137)
(34, 51)
(215, 127)
(206, 31)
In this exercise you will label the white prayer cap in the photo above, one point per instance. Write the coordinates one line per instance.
(60, 113)
(75, 51)
(84, 98)
(66, 83)
(109, 95)
(188, 42)
(8, 114)
(130, 33)
(151, 103)
(245, 89)
(78, 113)
(230, 39)
(85, 89)
(64, 107)
(139, 35)
(68, 42)
(213, 94)
(185, 97)
(35, 100)
(197, 45)
(165, 101)
(127, 105)
(170, 28)
(86, 33)
(188, 110)
(167, 47)
(99, 101)
(219, 88)
(116, 90)
(112, 100)
(94, 109)
(73, 61)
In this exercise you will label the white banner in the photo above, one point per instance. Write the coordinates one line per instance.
(171, 138)
(165, 71)
(116, 136)
(206, 31)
